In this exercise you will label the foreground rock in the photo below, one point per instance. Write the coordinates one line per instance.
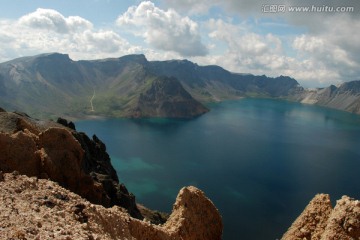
(320, 222)
(49, 150)
(32, 208)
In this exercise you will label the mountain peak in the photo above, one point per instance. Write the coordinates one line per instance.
(166, 97)
(54, 57)
(139, 58)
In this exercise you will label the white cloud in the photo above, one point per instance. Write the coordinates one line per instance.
(52, 20)
(254, 8)
(248, 51)
(164, 30)
(106, 41)
(334, 47)
(325, 52)
(191, 6)
(309, 44)
(47, 30)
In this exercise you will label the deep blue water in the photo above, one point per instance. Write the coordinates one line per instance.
(259, 160)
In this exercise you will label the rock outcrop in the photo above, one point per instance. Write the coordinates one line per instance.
(49, 150)
(165, 97)
(64, 165)
(320, 222)
(191, 208)
(32, 208)
(344, 97)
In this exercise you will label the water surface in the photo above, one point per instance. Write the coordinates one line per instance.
(259, 160)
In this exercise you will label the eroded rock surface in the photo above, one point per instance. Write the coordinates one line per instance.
(312, 221)
(320, 222)
(32, 208)
(194, 216)
(344, 221)
(49, 150)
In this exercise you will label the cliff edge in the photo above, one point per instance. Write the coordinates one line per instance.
(57, 183)
(320, 222)
(345, 97)
(32, 208)
(55, 151)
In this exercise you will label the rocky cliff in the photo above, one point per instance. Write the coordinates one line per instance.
(165, 97)
(70, 182)
(33, 208)
(344, 97)
(64, 167)
(213, 83)
(50, 150)
(319, 221)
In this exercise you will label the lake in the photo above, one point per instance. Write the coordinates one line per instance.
(259, 160)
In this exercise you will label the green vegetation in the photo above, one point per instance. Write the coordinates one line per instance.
(52, 85)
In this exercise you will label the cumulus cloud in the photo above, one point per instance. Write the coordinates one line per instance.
(164, 30)
(255, 53)
(325, 52)
(191, 6)
(52, 20)
(243, 7)
(334, 47)
(247, 50)
(46, 30)
(255, 8)
(107, 41)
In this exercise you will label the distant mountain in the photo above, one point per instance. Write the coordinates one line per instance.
(51, 85)
(344, 97)
(213, 83)
(166, 97)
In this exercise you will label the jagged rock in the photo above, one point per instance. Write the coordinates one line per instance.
(61, 160)
(97, 164)
(344, 97)
(312, 221)
(32, 208)
(194, 216)
(344, 221)
(65, 123)
(153, 216)
(50, 150)
(39, 208)
(320, 222)
(18, 152)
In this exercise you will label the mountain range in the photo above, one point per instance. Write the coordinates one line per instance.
(52, 85)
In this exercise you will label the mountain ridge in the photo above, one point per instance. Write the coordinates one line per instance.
(345, 97)
(52, 84)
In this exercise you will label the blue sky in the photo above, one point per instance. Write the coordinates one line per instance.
(316, 48)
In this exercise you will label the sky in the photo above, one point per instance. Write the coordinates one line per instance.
(317, 42)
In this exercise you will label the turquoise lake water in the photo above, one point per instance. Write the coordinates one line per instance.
(260, 161)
